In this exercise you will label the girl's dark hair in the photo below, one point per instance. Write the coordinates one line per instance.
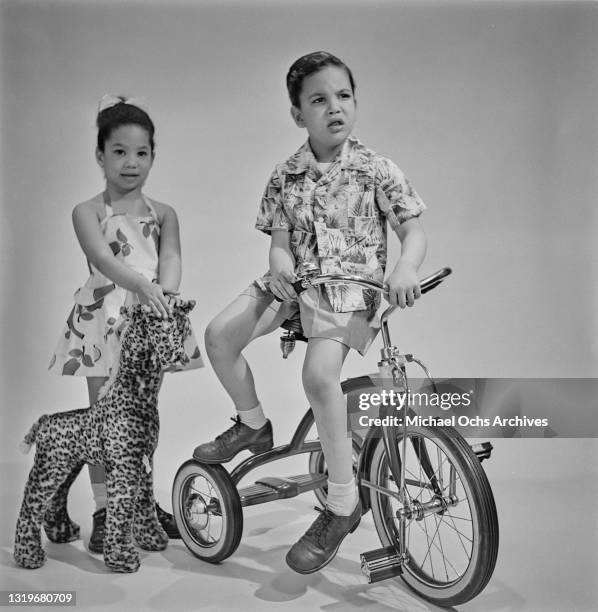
(308, 64)
(120, 114)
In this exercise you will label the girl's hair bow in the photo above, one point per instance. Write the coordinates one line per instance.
(109, 100)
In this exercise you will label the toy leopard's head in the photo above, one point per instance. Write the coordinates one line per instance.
(150, 341)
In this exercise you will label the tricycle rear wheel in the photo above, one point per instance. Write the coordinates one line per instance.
(207, 510)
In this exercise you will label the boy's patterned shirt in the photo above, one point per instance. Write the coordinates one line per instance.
(338, 219)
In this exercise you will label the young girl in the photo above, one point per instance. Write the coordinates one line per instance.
(133, 253)
(328, 204)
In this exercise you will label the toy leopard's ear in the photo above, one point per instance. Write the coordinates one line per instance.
(180, 305)
(134, 309)
(129, 311)
(187, 305)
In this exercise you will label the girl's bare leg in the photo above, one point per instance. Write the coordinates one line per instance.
(97, 475)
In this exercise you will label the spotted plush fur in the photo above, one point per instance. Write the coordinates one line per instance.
(119, 431)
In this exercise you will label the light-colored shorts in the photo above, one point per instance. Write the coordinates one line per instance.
(318, 320)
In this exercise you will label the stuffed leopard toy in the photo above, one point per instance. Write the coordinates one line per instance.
(119, 431)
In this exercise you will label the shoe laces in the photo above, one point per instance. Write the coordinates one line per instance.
(231, 431)
(320, 526)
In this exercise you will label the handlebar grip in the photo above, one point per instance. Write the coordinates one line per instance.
(432, 281)
(297, 286)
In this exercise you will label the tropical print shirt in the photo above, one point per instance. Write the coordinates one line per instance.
(336, 218)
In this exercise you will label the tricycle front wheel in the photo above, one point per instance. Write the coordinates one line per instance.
(451, 525)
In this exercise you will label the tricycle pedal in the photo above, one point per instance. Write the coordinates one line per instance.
(381, 564)
(483, 450)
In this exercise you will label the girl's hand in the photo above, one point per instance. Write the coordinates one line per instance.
(403, 284)
(152, 294)
(280, 284)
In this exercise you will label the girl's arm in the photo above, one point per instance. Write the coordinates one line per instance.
(282, 265)
(169, 264)
(403, 284)
(96, 249)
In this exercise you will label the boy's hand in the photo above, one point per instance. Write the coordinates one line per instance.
(280, 284)
(403, 285)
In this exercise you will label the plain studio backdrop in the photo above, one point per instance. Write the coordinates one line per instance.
(488, 107)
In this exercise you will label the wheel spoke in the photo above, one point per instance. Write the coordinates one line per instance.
(430, 542)
(208, 530)
(199, 492)
(422, 486)
(437, 548)
(206, 491)
(417, 482)
(441, 547)
(459, 533)
(422, 478)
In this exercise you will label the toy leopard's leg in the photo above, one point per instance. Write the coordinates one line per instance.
(122, 486)
(57, 523)
(43, 481)
(148, 531)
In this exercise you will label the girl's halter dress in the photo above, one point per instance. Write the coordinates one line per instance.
(88, 344)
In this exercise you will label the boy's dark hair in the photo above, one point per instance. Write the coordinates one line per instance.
(120, 114)
(308, 64)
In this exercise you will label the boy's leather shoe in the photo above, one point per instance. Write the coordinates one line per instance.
(322, 540)
(233, 441)
(96, 541)
(168, 523)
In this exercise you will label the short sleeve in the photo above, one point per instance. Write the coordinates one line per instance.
(402, 201)
(271, 215)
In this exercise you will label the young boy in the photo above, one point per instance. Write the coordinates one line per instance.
(327, 204)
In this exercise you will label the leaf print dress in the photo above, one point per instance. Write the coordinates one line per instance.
(88, 344)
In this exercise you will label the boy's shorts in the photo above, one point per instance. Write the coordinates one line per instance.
(319, 320)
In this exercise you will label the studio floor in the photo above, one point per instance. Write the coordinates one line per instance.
(547, 558)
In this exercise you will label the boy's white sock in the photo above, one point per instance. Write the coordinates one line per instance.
(253, 418)
(342, 498)
(99, 494)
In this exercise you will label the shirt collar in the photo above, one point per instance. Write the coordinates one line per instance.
(353, 155)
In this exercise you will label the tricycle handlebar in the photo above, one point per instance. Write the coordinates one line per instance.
(312, 279)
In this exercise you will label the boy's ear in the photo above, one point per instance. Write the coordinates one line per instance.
(297, 116)
(100, 157)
